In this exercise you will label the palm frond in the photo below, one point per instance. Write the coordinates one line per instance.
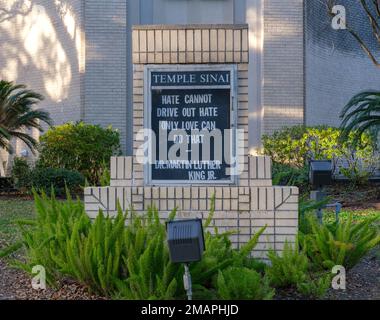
(361, 114)
(17, 113)
(26, 138)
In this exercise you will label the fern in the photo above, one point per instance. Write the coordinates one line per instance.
(288, 269)
(342, 243)
(293, 270)
(243, 284)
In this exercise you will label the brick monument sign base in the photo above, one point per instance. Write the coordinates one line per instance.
(173, 64)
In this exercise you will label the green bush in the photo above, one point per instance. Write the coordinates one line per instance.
(105, 177)
(286, 175)
(123, 257)
(150, 273)
(296, 145)
(80, 147)
(21, 173)
(343, 243)
(46, 238)
(237, 283)
(47, 179)
(293, 269)
(290, 268)
(316, 285)
(218, 256)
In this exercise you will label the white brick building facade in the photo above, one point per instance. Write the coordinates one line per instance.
(78, 54)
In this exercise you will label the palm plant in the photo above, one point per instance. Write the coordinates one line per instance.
(17, 113)
(362, 113)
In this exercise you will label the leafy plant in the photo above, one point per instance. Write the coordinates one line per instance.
(286, 175)
(315, 285)
(17, 113)
(46, 238)
(47, 179)
(21, 173)
(288, 269)
(125, 256)
(360, 115)
(105, 176)
(343, 243)
(81, 147)
(149, 271)
(306, 209)
(297, 145)
(243, 284)
(293, 269)
(220, 255)
(358, 169)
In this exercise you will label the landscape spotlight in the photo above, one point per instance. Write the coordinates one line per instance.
(186, 244)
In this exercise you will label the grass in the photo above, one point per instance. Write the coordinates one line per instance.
(358, 215)
(15, 209)
(10, 212)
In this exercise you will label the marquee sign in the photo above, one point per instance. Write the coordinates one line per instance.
(191, 112)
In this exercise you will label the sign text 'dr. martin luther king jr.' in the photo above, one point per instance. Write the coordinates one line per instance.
(190, 110)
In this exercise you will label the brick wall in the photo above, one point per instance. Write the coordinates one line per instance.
(283, 90)
(246, 206)
(105, 90)
(42, 47)
(336, 67)
(99, 95)
(191, 44)
(243, 210)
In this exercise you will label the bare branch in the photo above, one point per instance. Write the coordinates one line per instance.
(364, 47)
(376, 3)
(373, 23)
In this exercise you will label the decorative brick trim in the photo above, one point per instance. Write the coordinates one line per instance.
(190, 44)
(243, 209)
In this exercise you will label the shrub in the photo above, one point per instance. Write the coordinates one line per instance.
(316, 285)
(105, 177)
(343, 243)
(124, 257)
(358, 169)
(288, 269)
(80, 147)
(237, 283)
(150, 273)
(21, 173)
(293, 269)
(46, 238)
(47, 179)
(286, 175)
(296, 145)
(218, 256)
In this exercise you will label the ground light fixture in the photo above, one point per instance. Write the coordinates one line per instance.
(321, 175)
(186, 244)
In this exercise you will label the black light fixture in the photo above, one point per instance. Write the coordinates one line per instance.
(321, 175)
(186, 244)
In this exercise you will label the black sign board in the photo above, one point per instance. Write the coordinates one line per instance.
(190, 113)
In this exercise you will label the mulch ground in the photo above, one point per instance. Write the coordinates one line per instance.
(363, 281)
(16, 285)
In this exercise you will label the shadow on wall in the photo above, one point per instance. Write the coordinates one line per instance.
(41, 46)
(336, 67)
(283, 84)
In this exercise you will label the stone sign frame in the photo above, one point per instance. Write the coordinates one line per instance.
(243, 208)
(233, 113)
